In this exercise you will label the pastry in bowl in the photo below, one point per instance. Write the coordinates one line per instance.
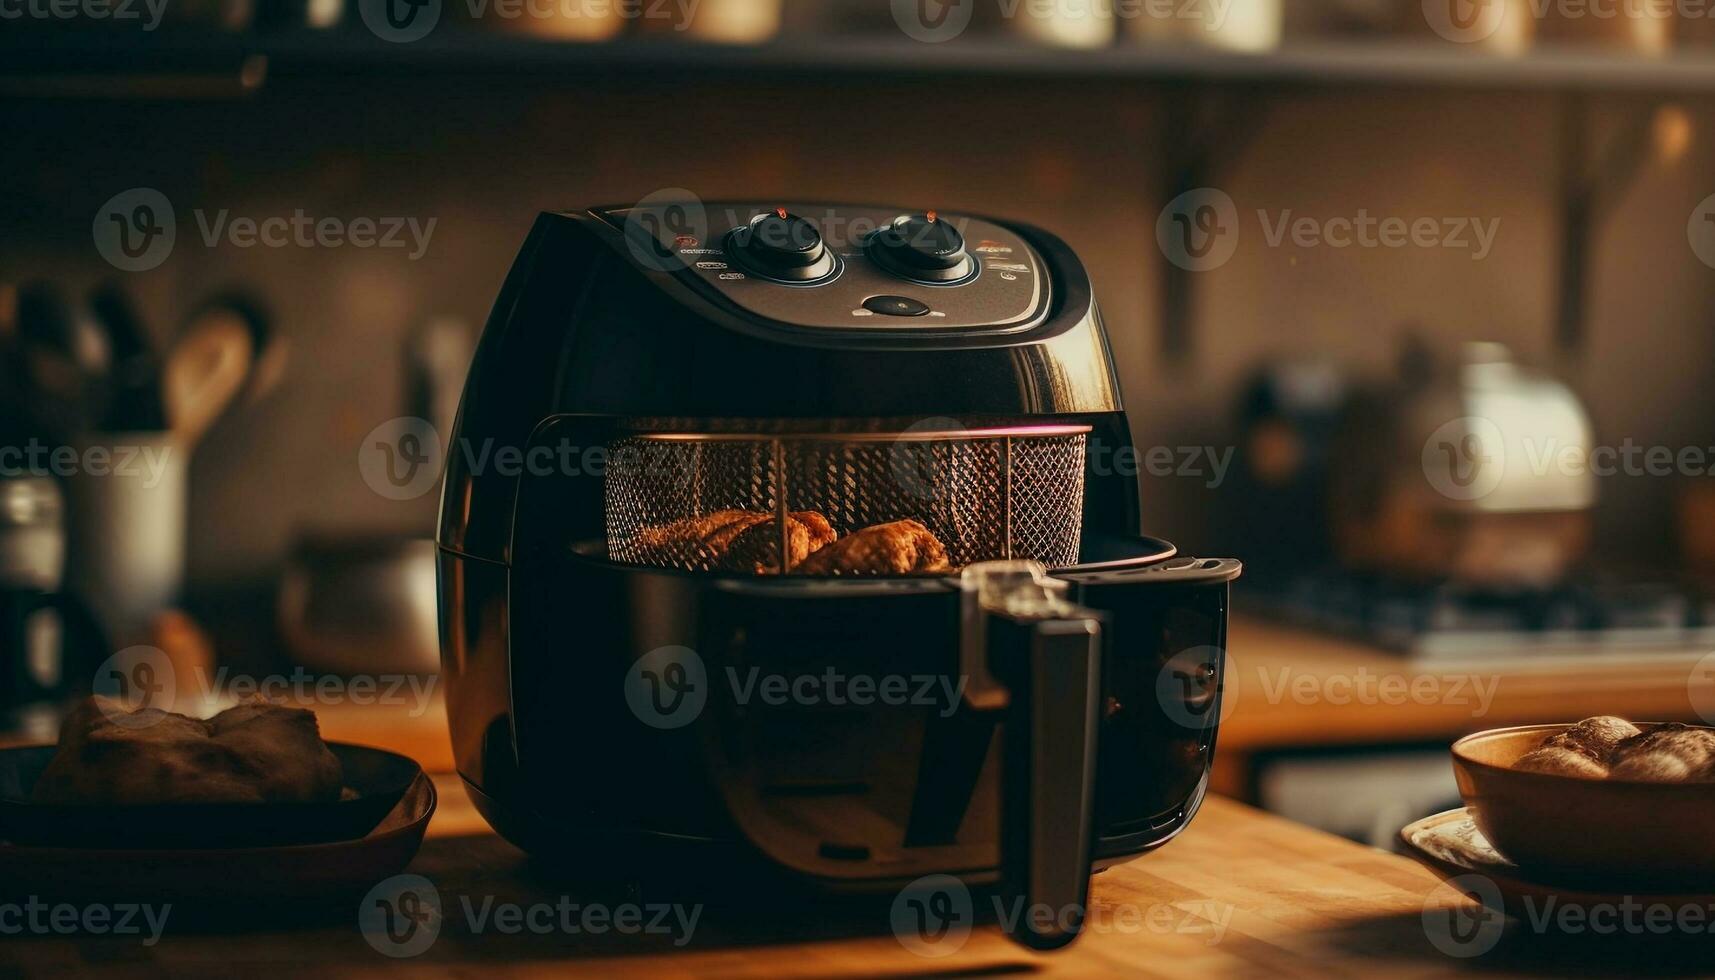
(1668, 754)
(253, 753)
(1582, 750)
(1596, 803)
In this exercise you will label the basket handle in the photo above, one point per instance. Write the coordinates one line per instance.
(1043, 657)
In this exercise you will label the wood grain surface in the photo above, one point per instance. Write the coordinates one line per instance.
(1292, 688)
(1242, 893)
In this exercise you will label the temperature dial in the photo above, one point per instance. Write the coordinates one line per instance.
(921, 247)
(782, 246)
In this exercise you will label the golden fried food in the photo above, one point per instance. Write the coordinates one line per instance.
(685, 539)
(254, 753)
(900, 548)
(756, 548)
(1668, 754)
(735, 540)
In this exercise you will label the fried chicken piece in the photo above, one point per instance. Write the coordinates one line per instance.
(1670, 753)
(900, 548)
(262, 754)
(695, 541)
(822, 533)
(757, 548)
(736, 540)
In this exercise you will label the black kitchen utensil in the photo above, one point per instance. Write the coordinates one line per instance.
(133, 402)
(60, 356)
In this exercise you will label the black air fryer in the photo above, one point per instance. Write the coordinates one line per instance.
(805, 539)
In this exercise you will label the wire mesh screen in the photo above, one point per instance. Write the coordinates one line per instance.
(899, 504)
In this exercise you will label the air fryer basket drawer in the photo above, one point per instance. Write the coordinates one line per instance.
(893, 503)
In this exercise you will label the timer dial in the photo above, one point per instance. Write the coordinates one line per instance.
(921, 247)
(782, 246)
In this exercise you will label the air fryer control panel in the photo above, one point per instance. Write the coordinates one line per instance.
(847, 268)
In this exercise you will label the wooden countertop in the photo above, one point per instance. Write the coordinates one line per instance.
(1292, 687)
(1241, 893)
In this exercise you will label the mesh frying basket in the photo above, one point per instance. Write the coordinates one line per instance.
(872, 503)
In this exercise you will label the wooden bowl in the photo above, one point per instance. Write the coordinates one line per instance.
(1588, 829)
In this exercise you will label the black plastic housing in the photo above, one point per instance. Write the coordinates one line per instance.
(540, 631)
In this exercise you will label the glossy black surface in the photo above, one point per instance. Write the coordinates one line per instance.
(781, 245)
(588, 768)
(921, 247)
(1010, 291)
(896, 306)
(585, 327)
(600, 333)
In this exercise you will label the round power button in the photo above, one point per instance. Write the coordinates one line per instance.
(895, 306)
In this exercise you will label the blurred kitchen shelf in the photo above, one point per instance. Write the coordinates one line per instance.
(232, 63)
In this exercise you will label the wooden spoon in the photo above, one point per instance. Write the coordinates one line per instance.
(205, 370)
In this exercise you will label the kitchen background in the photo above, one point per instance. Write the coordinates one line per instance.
(1079, 125)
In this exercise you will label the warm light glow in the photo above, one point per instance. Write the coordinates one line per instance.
(1673, 133)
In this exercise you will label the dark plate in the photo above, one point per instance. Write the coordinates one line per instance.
(237, 885)
(379, 779)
